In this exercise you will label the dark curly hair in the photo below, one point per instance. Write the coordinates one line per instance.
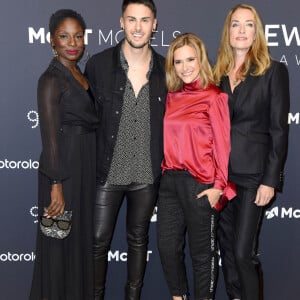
(59, 17)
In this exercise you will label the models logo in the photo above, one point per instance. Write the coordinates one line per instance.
(42, 35)
(294, 118)
(283, 213)
(154, 215)
(122, 256)
(17, 257)
(25, 164)
(161, 38)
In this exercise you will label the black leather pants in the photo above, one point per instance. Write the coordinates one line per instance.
(141, 199)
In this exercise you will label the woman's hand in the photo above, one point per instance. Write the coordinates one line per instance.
(212, 194)
(57, 205)
(264, 195)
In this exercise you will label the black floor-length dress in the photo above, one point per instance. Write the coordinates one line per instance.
(63, 269)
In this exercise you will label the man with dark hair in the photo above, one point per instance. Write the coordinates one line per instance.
(149, 3)
(130, 85)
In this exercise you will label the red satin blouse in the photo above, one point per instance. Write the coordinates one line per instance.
(197, 134)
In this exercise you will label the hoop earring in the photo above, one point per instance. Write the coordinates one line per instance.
(54, 52)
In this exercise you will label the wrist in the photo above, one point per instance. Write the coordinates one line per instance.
(55, 181)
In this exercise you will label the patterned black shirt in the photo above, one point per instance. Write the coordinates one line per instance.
(131, 160)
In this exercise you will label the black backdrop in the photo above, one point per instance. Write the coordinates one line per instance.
(25, 53)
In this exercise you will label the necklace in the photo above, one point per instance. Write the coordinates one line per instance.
(234, 82)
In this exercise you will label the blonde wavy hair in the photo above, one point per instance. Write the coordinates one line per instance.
(258, 54)
(174, 83)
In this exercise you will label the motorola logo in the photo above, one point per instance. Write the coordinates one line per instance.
(19, 164)
(17, 257)
(270, 214)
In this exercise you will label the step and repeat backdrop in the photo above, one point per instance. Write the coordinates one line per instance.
(25, 53)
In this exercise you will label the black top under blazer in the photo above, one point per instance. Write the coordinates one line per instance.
(259, 108)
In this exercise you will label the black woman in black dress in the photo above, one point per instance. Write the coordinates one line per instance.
(63, 267)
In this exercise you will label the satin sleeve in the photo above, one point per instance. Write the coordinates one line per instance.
(220, 123)
(52, 160)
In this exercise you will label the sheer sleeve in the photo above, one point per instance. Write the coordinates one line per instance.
(52, 161)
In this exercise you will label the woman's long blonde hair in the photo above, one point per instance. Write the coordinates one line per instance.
(174, 83)
(258, 54)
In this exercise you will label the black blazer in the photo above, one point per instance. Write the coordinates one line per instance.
(259, 109)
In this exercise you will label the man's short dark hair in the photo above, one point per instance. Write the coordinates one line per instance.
(149, 3)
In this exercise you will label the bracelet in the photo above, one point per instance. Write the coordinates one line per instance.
(55, 181)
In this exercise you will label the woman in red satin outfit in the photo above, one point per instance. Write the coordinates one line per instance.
(196, 153)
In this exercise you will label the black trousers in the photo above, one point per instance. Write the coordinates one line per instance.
(179, 212)
(237, 235)
(141, 199)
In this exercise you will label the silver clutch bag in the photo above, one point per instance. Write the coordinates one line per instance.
(57, 227)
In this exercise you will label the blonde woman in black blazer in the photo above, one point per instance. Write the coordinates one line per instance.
(258, 90)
